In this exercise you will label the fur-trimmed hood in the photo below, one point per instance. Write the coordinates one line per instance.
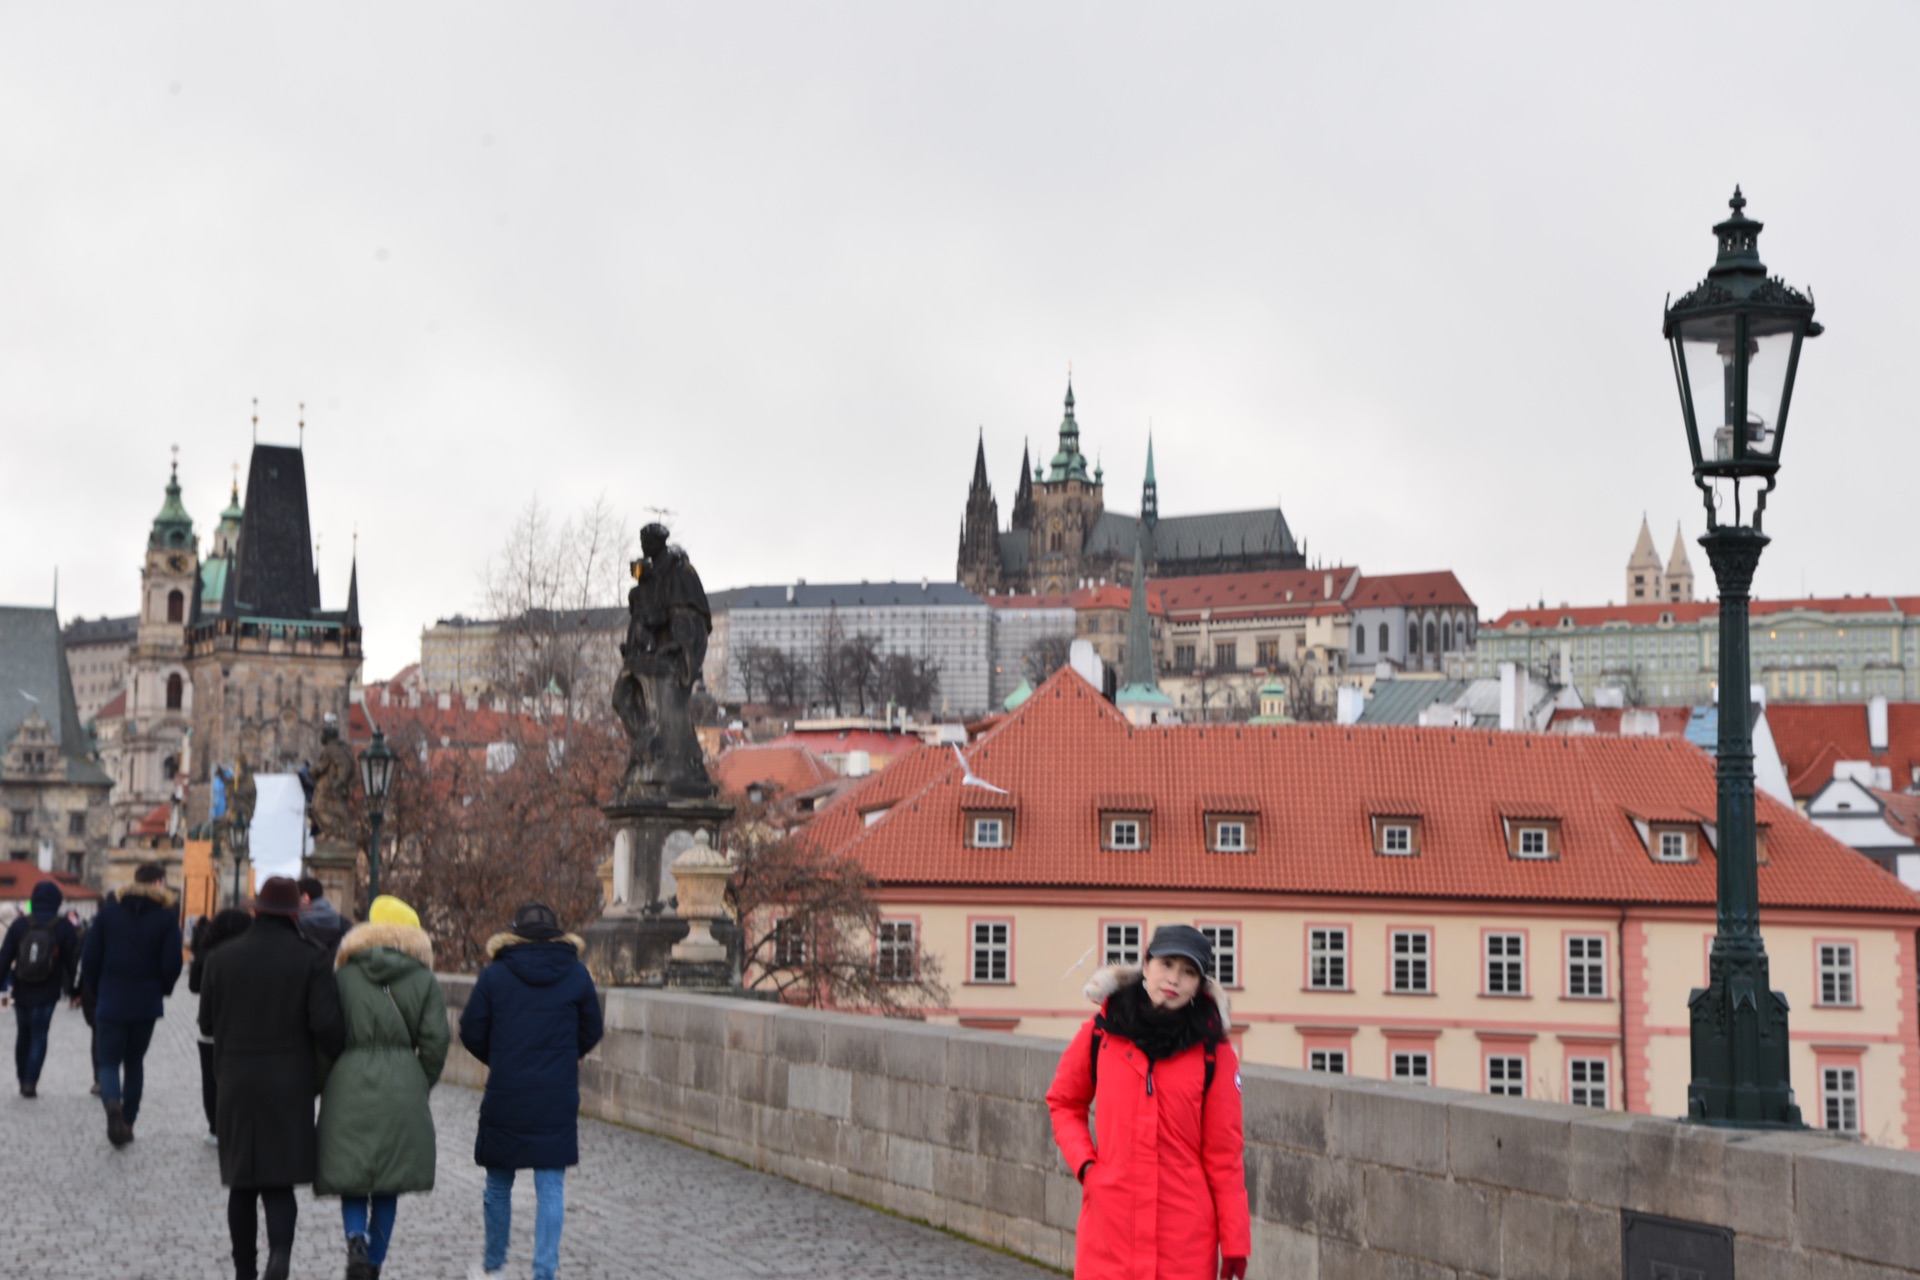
(501, 941)
(1110, 978)
(157, 893)
(408, 940)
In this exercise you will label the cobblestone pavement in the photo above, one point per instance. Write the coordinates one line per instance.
(70, 1205)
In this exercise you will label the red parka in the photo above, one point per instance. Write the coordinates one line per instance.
(1166, 1195)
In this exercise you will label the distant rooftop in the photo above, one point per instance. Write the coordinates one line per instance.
(845, 595)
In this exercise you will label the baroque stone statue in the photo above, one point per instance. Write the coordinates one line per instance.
(331, 809)
(666, 645)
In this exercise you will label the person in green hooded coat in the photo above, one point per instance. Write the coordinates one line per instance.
(376, 1133)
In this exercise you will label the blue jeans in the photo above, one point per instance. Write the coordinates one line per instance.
(550, 1211)
(121, 1047)
(31, 1023)
(354, 1216)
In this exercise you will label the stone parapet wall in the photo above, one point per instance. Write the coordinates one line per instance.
(1348, 1178)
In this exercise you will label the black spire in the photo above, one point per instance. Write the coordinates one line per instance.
(273, 574)
(1023, 492)
(980, 464)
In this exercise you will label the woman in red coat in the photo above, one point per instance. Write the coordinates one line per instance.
(1164, 1194)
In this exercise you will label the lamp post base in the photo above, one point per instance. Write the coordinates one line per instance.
(1741, 1076)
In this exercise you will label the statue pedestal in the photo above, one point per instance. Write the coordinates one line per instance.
(336, 864)
(632, 944)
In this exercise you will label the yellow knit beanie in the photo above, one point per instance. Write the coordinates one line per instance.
(387, 909)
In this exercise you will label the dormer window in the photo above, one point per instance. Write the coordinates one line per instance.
(1229, 824)
(1395, 836)
(1671, 842)
(1126, 832)
(1532, 837)
(990, 830)
(1230, 836)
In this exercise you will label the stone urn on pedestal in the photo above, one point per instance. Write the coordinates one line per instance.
(700, 959)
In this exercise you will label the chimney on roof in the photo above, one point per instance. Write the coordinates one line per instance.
(1326, 587)
(1351, 701)
(1513, 693)
(789, 593)
(1877, 722)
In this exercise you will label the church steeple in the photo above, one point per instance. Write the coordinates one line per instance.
(979, 561)
(1150, 491)
(1069, 463)
(173, 527)
(1140, 698)
(1023, 493)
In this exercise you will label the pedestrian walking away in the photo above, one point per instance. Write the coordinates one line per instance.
(532, 1015)
(129, 965)
(39, 963)
(1164, 1191)
(268, 1000)
(320, 919)
(209, 934)
(376, 1132)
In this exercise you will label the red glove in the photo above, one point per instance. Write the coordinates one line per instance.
(1233, 1269)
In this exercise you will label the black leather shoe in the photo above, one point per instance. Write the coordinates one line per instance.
(28, 1089)
(358, 1268)
(119, 1132)
(278, 1265)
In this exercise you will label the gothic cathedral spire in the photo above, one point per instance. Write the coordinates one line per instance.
(979, 567)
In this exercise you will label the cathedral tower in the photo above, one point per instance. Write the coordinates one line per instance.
(1643, 569)
(159, 692)
(979, 569)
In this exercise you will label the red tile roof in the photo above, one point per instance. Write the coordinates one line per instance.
(789, 770)
(18, 876)
(1410, 591)
(1114, 596)
(1673, 720)
(1901, 810)
(1295, 589)
(154, 823)
(1813, 737)
(1317, 788)
(115, 708)
(1693, 611)
(881, 748)
(1029, 602)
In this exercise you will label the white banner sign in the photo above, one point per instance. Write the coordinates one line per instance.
(277, 840)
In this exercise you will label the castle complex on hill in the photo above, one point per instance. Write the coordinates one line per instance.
(1062, 533)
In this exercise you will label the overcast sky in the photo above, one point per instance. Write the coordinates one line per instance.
(772, 267)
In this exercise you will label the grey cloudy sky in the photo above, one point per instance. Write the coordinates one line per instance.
(772, 266)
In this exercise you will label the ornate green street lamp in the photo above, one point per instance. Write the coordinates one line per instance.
(376, 779)
(1736, 346)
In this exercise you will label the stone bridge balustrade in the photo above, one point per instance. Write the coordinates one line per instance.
(1348, 1178)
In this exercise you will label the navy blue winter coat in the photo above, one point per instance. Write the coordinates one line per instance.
(132, 955)
(532, 1015)
(66, 951)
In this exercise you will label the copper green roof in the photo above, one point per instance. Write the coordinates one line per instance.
(1018, 696)
(173, 527)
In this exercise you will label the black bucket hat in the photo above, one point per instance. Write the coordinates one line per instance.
(536, 922)
(1185, 941)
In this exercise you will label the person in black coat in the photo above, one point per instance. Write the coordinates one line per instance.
(268, 1000)
(532, 1015)
(210, 933)
(129, 964)
(35, 996)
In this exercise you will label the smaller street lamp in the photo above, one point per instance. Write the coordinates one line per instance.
(1735, 342)
(237, 841)
(376, 779)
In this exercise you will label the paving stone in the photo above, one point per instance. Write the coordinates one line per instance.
(636, 1204)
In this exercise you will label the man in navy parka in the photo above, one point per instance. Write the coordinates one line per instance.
(532, 1015)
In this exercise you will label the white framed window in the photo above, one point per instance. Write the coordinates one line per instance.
(1226, 953)
(1836, 973)
(1587, 1083)
(992, 951)
(896, 954)
(1587, 966)
(1230, 837)
(989, 833)
(1507, 1075)
(1327, 959)
(1396, 838)
(1413, 1067)
(1123, 833)
(1840, 1098)
(1331, 1061)
(1412, 961)
(1506, 964)
(789, 944)
(1673, 846)
(1533, 842)
(1120, 944)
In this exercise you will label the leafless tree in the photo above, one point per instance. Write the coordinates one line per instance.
(814, 931)
(827, 663)
(1044, 657)
(910, 682)
(863, 663)
(554, 588)
(781, 678)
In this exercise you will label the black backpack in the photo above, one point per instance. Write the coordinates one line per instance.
(37, 958)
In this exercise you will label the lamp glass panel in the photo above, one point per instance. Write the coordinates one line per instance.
(1766, 382)
(1706, 345)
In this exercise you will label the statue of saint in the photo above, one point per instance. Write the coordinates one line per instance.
(241, 799)
(331, 811)
(666, 645)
